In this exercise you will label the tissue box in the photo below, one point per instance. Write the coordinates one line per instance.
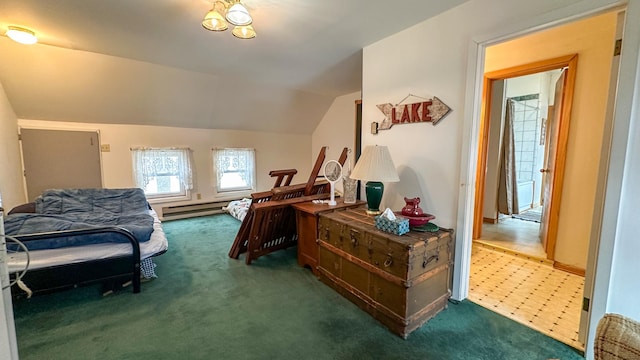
(398, 226)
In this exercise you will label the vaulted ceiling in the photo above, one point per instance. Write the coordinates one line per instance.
(151, 62)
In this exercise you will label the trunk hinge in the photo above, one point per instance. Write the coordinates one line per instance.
(617, 49)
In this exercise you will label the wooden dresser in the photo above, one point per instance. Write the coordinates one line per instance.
(402, 281)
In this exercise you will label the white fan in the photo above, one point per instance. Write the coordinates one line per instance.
(333, 173)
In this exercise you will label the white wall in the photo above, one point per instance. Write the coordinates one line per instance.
(430, 59)
(624, 288)
(273, 151)
(11, 194)
(11, 184)
(337, 131)
(626, 267)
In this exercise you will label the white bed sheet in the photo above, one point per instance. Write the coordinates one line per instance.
(238, 208)
(45, 258)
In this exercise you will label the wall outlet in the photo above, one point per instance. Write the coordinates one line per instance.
(198, 196)
(105, 148)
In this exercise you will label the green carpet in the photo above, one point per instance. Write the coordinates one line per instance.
(207, 306)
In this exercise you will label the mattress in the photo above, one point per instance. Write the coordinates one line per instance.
(46, 258)
(238, 208)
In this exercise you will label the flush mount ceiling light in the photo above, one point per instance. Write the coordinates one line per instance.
(21, 35)
(235, 14)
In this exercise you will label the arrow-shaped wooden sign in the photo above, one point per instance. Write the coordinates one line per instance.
(432, 111)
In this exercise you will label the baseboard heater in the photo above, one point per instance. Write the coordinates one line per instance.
(192, 210)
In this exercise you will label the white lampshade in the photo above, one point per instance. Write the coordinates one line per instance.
(375, 164)
(22, 35)
(238, 15)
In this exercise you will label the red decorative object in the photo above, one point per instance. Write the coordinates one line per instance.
(417, 220)
(414, 213)
(412, 208)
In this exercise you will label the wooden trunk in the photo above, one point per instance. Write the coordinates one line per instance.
(402, 281)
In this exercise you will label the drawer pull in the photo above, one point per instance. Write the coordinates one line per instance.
(389, 261)
(426, 261)
(326, 233)
(354, 237)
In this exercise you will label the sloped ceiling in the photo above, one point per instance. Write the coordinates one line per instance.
(151, 62)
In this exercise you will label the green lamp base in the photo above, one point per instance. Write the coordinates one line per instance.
(374, 190)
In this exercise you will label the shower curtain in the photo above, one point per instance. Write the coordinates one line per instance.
(508, 185)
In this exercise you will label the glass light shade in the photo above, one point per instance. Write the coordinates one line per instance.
(238, 15)
(244, 32)
(22, 35)
(375, 164)
(214, 21)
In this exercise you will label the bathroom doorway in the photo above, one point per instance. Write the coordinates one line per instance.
(526, 112)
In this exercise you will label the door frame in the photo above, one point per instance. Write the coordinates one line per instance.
(611, 175)
(571, 63)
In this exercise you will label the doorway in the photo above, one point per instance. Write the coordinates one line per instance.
(60, 159)
(521, 155)
(524, 117)
(582, 143)
(527, 112)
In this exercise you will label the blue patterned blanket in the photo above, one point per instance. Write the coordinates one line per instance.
(72, 209)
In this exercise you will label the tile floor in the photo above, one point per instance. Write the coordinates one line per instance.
(515, 235)
(532, 293)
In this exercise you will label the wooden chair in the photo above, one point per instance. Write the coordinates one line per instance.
(270, 223)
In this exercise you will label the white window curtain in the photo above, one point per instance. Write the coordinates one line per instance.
(234, 169)
(152, 162)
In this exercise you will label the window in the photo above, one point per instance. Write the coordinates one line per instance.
(163, 173)
(234, 169)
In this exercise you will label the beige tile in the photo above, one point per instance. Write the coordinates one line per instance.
(517, 298)
(571, 334)
(530, 307)
(491, 301)
(554, 309)
(541, 322)
(521, 292)
(568, 323)
(530, 292)
(500, 291)
(511, 302)
(523, 316)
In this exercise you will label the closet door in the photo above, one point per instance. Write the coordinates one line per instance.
(55, 159)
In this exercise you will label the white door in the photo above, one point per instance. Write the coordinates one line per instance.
(551, 148)
(56, 159)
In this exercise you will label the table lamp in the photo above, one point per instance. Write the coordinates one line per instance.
(375, 167)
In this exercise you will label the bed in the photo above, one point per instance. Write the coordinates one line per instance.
(82, 236)
(238, 208)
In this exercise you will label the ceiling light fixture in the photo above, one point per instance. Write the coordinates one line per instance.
(21, 35)
(225, 12)
(244, 32)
